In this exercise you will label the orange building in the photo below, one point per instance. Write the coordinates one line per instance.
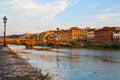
(63, 35)
(104, 35)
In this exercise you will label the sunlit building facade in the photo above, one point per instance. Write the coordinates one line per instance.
(63, 35)
(78, 35)
(48, 35)
(104, 35)
(28, 36)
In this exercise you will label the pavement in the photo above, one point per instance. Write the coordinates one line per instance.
(13, 67)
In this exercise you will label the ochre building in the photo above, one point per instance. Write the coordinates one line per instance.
(77, 34)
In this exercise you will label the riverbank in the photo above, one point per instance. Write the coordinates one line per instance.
(92, 47)
(12, 67)
(95, 46)
(103, 47)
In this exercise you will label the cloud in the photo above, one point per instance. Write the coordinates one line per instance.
(94, 5)
(25, 14)
(109, 17)
(105, 10)
(30, 9)
(100, 20)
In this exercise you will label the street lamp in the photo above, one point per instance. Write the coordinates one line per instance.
(4, 21)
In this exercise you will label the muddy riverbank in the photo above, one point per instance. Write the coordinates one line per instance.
(12, 67)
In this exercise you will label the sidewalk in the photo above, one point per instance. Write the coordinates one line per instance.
(12, 67)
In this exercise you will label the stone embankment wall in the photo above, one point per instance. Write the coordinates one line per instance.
(12, 67)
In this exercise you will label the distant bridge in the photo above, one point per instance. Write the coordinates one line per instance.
(30, 43)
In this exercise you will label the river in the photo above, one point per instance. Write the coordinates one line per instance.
(74, 64)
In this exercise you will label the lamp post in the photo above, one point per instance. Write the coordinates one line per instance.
(4, 21)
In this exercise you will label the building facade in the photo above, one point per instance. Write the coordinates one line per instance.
(48, 35)
(77, 34)
(90, 36)
(104, 35)
(63, 35)
(28, 36)
(116, 36)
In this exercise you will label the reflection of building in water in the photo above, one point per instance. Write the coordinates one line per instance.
(70, 60)
(74, 56)
(49, 58)
(57, 60)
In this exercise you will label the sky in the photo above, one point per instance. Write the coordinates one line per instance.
(35, 16)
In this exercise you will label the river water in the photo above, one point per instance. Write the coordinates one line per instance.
(74, 64)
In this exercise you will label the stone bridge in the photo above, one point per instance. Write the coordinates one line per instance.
(29, 43)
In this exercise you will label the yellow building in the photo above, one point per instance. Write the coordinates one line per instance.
(73, 35)
(28, 36)
(77, 34)
(48, 35)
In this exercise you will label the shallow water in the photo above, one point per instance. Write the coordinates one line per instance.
(75, 64)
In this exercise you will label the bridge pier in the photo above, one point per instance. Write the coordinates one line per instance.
(28, 46)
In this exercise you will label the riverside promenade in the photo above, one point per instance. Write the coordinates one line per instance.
(12, 67)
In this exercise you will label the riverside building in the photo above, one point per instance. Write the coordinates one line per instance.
(104, 35)
(90, 36)
(77, 35)
(63, 35)
(116, 36)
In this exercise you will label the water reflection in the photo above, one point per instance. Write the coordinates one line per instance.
(76, 64)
